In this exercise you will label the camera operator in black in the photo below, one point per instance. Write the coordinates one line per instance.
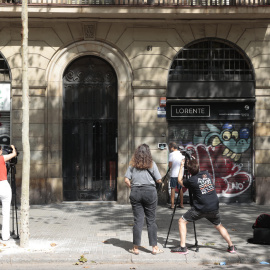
(205, 204)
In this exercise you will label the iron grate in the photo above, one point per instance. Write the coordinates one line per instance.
(210, 60)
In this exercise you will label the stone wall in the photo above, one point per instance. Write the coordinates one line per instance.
(144, 52)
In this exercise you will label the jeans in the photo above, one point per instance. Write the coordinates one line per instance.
(5, 196)
(143, 200)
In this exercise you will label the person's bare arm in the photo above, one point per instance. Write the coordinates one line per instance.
(181, 173)
(11, 155)
(127, 182)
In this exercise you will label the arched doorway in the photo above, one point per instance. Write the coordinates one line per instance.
(5, 82)
(89, 130)
(211, 110)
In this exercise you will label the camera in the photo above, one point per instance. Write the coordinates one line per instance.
(8, 149)
(187, 153)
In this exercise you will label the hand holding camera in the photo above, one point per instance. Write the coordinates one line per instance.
(10, 149)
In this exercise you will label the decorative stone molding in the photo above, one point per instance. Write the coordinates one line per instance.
(121, 65)
(89, 31)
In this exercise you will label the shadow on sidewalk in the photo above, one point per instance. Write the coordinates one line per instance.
(126, 245)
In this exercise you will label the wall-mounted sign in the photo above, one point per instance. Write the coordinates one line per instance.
(234, 109)
(162, 102)
(161, 112)
(4, 97)
(190, 111)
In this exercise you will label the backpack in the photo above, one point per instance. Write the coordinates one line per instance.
(262, 221)
(261, 229)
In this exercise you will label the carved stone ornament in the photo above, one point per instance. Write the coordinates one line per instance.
(89, 31)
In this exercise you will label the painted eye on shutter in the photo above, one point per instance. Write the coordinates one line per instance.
(226, 135)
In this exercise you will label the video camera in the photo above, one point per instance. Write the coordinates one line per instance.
(187, 153)
(8, 149)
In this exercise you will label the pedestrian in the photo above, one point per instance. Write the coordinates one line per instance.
(5, 193)
(143, 196)
(175, 159)
(205, 204)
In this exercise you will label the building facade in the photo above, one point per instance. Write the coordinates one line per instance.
(99, 74)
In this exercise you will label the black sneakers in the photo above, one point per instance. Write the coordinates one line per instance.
(180, 250)
(232, 249)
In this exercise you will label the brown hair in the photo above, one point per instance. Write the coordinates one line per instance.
(173, 145)
(142, 158)
(193, 166)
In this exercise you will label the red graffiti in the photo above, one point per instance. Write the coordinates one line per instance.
(227, 176)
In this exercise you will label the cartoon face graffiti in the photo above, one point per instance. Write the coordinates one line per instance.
(217, 151)
(235, 142)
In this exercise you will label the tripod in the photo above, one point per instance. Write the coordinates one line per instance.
(191, 204)
(14, 200)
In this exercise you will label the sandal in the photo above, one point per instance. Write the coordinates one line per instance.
(158, 251)
(133, 251)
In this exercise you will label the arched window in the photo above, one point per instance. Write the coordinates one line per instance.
(211, 68)
(4, 70)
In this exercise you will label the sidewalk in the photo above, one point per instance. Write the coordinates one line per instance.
(103, 233)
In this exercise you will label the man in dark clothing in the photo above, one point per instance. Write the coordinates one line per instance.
(205, 204)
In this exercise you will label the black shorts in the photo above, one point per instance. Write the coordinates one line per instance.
(193, 215)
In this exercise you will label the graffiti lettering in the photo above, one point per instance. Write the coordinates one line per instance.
(237, 186)
(181, 134)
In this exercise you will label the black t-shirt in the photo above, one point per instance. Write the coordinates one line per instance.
(205, 198)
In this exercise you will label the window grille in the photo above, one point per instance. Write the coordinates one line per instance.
(211, 60)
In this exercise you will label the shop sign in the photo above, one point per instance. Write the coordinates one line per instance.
(190, 111)
(4, 97)
(210, 110)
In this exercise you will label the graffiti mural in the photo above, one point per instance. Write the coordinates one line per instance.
(236, 142)
(225, 150)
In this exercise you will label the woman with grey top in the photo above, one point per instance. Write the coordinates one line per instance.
(143, 196)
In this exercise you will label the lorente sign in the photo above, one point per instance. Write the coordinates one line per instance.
(190, 111)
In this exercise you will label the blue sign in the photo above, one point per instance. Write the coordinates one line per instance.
(161, 112)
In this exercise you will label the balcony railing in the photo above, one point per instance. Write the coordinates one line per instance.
(198, 3)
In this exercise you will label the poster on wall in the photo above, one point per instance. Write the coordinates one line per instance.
(4, 114)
